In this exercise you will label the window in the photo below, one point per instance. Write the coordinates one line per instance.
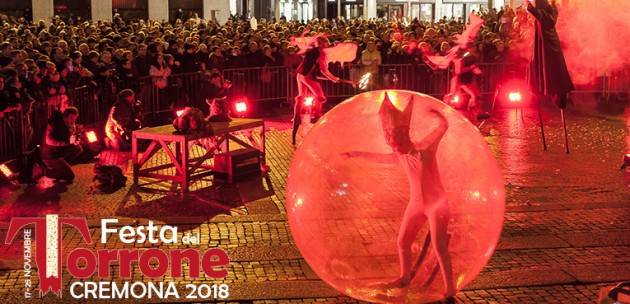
(453, 10)
(352, 11)
(415, 11)
(426, 12)
(474, 7)
(286, 9)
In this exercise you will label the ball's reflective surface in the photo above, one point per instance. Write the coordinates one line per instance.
(345, 213)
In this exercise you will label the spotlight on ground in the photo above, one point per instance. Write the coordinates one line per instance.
(514, 93)
(7, 172)
(91, 137)
(515, 97)
(91, 143)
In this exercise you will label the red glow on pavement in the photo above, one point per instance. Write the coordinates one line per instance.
(6, 171)
(308, 101)
(179, 113)
(515, 97)
(91, 136)
(241, 107)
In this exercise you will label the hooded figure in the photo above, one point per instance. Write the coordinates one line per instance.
(548, 74)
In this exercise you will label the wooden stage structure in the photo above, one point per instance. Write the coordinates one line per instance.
(176, 146)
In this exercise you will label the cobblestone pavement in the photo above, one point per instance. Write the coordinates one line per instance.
(566, 232)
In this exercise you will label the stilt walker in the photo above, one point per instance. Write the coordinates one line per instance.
(548, 74)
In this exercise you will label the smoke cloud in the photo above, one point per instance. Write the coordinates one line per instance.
(595, 36)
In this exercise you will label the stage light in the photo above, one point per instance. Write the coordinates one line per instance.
(514, 93)
(241, 107)
(179, 113)
(308, 101)
(91, 136)
(515, 97)
(6, 171)
(626, 161)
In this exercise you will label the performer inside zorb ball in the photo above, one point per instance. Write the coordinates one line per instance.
(394, 197)
(428, 201)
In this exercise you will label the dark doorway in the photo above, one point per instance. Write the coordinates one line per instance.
(72, 9)
(331, 10)
(189, 9)
(17, 9)
(131, 9)
(321, 9)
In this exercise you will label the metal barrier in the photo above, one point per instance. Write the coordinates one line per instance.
(181, 90)
(262, 85)
(86, 100)
(13, 135)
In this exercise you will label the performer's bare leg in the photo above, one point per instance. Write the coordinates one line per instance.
(413, 220)
(454, 85)
(473, 91)
(436, 204)
(318, 94)
(297, 107)
(297, 117)
(474, 105)
(438, 223)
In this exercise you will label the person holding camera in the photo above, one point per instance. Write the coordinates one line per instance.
(61, 145)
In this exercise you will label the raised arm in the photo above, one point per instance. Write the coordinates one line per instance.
(436, 135)
(382, 158)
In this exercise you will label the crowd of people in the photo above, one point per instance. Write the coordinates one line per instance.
(41, 63)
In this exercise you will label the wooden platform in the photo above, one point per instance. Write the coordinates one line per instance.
(176, 147)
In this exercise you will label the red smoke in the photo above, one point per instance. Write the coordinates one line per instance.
(595, 36)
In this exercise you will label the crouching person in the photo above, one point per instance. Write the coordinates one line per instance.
(124, 118)
(60, 146)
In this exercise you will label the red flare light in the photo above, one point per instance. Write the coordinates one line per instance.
(179, 113)
(515, 97)
(241, 107)
(308, 101)
(455, 99)
(91, 136)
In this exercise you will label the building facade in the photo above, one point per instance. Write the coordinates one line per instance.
(426, 10)
(168, 10)
(220, 10)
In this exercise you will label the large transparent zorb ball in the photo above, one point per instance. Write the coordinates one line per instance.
(345, 200)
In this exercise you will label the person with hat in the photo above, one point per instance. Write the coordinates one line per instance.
(124, 118)
(549, 75)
